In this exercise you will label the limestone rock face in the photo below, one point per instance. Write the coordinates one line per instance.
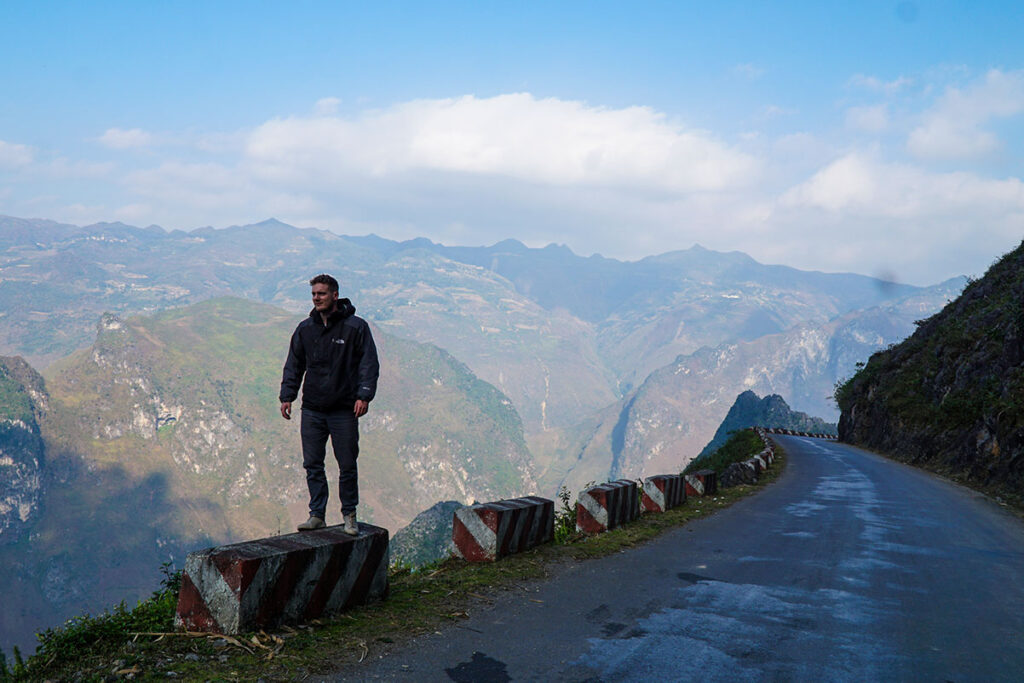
(427, 538)
(951, 396)
(22, 399)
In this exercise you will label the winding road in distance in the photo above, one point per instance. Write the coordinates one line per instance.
(851, 567)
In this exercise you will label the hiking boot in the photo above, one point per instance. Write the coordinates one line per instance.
(351, 525)
(312, 523)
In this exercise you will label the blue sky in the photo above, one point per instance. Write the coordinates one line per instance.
(876, 137)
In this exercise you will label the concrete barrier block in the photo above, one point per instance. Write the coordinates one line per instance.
(701, 483)
(489, 531)
(663, 492)
(607, 506)
(286, 579)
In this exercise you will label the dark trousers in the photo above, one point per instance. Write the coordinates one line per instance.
(343, 428)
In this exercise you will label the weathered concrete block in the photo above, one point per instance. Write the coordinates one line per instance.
(607, 506)
(701, 483)
(286, 579)
(489, 531)
(663, 492)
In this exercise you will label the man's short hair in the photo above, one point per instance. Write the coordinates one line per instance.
(324, 279)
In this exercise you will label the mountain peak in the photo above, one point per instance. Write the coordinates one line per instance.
(510, 245)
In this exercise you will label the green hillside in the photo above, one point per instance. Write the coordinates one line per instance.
(165, 436)
(951, 396)
(192, 393)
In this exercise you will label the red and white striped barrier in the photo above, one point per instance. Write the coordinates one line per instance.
(791, 432)
(701, 483)
(286, 579)
(762, 462)
(607, 506)
(663, 492)
(489, 531)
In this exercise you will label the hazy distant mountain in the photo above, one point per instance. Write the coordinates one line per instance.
(562, 335)
(667, 421)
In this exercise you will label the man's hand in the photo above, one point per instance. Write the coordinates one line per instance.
(286, 410)
(361, 407)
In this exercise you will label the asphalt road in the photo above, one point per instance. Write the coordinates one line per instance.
(850, 567)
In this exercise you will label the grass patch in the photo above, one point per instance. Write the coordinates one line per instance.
(741, 445)
(419, 602)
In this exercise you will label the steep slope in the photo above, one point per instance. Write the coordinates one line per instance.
(949, 398)
(427, 538)
(165, 436)
(669, 419)
(22, 401)
(648, 312)
(192, 392)
(545, 361)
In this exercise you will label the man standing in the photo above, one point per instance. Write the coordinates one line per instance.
(334, 349)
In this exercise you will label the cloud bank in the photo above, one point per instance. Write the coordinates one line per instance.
(908, 193)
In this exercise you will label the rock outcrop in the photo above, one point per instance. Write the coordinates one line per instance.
(749, 410)
(427, 538)
(22, 400)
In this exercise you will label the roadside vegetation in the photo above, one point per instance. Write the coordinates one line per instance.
(742, 444)
(140, 643)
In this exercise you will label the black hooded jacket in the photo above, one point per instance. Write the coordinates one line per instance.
(339, 361)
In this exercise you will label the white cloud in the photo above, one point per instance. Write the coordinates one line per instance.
(878, 85)
(859, 184)
(626, 182)
(954, 128)
(772, 111)
(864, 214)
(213, 191)
(327, 106)
(748, 70)
(14, 156)
(118, 138)
(871, 119)
(548, 141)
(134, 213)
(62, 167)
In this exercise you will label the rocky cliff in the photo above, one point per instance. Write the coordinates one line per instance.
(951, 397)
(427, 538)
(22, 400)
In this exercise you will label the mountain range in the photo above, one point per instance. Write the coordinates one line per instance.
(142, 370)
